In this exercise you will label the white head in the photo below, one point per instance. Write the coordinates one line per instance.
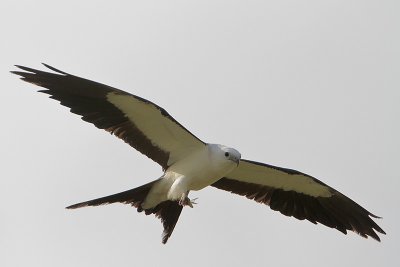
(225, 157)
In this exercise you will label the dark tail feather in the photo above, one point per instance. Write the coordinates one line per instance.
(134, 197)
(168, 211)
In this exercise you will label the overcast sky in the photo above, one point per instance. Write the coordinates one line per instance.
(308, 85)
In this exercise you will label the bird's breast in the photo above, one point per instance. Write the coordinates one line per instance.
(200, 169)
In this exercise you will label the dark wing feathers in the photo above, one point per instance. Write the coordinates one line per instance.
(334, 210)
(89, 100)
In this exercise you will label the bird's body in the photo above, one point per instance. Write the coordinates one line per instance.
(191, 164)
(199, 169)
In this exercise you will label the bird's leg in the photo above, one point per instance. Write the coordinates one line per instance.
(185, 200)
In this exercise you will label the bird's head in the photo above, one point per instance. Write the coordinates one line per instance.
(232, 155)
(226, 155)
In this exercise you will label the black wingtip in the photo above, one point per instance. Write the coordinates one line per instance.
(375, 216)
(76, 206)
(380, 230)
(14, 72)
(54, 69)
(30, 70)
(23, 68)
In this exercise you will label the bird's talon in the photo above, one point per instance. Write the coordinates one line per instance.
(187, 202)
(193, 201)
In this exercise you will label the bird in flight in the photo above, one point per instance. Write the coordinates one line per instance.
(191, 164)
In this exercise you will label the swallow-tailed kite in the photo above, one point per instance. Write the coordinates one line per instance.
(191, 164)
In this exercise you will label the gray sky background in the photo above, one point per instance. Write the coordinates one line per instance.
(309, 85)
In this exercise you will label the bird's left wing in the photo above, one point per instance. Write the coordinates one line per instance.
(299, 195)
(139, 122)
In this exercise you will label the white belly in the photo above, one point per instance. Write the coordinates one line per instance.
(200, 169)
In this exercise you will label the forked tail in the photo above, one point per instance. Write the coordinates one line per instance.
(168, 211)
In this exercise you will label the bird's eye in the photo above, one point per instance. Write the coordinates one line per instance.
(226, 154)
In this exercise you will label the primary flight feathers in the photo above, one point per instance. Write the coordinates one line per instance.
(191, 164)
